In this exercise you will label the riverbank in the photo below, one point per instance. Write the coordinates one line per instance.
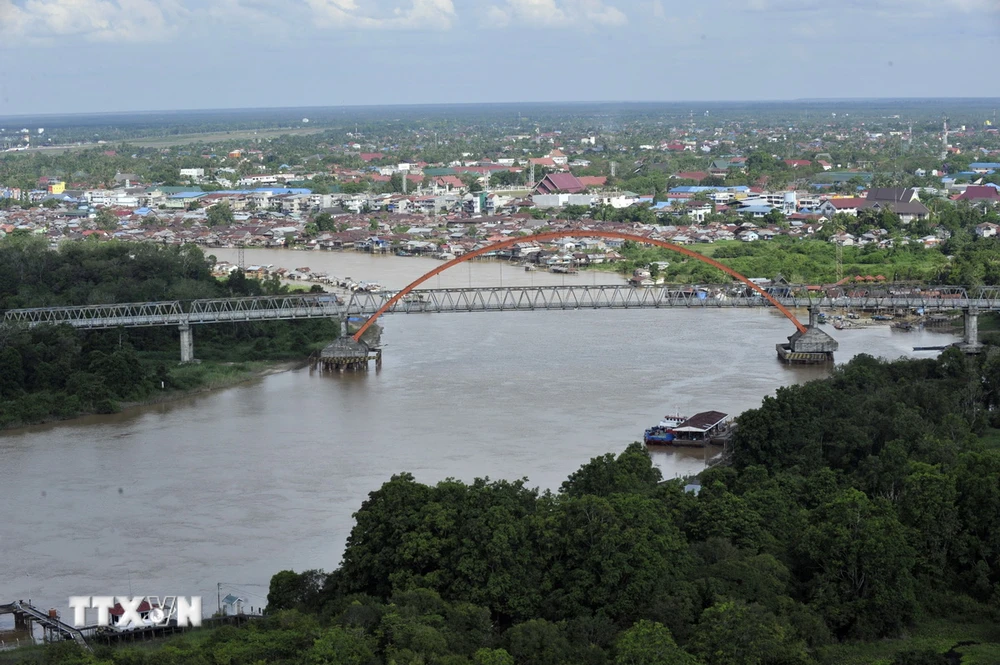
(202, 377)
(212, 376)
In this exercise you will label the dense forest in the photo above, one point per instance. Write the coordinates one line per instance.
(853, 523)
(57, 371)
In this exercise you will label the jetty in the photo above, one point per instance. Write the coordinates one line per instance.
(54, 629)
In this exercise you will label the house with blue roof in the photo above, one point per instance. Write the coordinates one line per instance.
(756, 210)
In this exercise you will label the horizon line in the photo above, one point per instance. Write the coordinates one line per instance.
(800, 100)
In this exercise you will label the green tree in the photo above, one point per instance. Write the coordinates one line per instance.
(290, 590)
(537, 642)
(492, 657)
(860, 567)
(632, 471)
(220, 214)
(340, 646)
(106, 220)
(735, 633)
(650, 643)
(324, 222)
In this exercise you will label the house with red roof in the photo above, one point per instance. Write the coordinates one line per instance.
(593, 180)
(449, 182)
(980, 193)
(697, 176)
(371, 156)
(554, 183)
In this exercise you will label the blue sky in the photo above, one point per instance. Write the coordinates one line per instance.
(59, 56)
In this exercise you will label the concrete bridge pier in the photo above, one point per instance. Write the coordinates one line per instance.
(810, 347)
(970, 341)
(813, 316)
(187, 343)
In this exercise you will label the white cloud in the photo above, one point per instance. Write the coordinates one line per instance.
(937, 8)
(496, 17)
(419, 14)
(555, 14)
(95, 20)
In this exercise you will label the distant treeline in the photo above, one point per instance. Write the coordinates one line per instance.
(56, 371)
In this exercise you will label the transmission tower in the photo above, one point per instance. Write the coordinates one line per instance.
(241, 257)
(614, 168)
(840, 261)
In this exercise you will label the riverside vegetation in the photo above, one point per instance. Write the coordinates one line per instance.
(58, 372)
(856, 523)
(964, 261)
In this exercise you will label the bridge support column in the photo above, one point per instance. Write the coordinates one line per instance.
(187, 343)
(813, 316)
(970, 342)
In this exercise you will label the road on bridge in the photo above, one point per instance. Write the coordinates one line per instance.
(495, 299)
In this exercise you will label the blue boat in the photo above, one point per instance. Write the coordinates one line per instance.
(663, 434)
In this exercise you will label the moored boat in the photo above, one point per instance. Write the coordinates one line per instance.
(701, 429)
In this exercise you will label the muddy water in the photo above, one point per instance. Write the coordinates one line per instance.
(233, 486)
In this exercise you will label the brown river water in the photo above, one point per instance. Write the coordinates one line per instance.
(235, 485)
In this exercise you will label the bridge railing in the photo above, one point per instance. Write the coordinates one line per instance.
(98, 316)
(574, 296)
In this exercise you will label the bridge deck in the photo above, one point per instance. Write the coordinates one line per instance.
(490, 299)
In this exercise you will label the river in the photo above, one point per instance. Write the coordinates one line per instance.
(235, 485)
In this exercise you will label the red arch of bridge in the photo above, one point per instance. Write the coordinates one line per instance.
(578, 233)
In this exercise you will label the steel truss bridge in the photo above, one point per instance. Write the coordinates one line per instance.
(495, 299)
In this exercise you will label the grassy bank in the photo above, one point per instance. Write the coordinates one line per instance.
(936, 635)
(798, 261)
(184, 381)
(205, 376)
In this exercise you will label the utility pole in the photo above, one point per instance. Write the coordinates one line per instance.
(218, 594)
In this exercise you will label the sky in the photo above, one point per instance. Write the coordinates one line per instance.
(67, 56)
